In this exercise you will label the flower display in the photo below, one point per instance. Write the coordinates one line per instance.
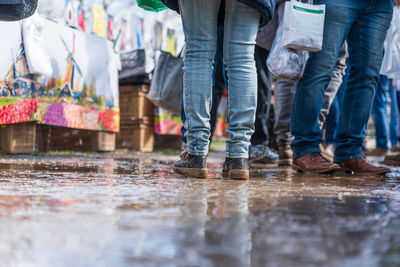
(22, 111)
(109, 120)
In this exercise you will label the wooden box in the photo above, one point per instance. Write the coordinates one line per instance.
(133, 102)
(104, 142)
(137, 135)
(18, 138)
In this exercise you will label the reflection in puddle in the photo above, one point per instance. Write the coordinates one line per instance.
(129, 210)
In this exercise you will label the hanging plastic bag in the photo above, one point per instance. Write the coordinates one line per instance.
(286, 64)
(303, 27)
(391, 59)
(167, 84)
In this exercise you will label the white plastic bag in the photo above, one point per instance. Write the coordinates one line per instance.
(35, 46)
(303, 26)
(391, 59)
(286, 64)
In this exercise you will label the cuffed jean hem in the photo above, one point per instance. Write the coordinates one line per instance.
(237, 155)
(197, 152)
(299, 154)
(347, 157)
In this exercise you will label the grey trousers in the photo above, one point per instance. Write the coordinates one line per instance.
(284, 94)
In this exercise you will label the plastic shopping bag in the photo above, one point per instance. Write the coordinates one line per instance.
(286, 64)
(303, 26)
(167, 84)
(391, 59)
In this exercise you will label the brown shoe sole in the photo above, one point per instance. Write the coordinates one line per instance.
(324, 171)
(365, 173)
(237, 174)
(192, 172)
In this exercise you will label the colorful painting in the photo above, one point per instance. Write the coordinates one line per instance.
(80, 93)
(166, 123)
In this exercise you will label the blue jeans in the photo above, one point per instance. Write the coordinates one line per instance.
(379, 113)
(363, 23)
(394, 117)
(220, 81)
(199, 20)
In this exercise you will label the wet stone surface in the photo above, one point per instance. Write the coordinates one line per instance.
(132, 210)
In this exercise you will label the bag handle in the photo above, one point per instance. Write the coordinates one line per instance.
(311, 2)
(182, 51)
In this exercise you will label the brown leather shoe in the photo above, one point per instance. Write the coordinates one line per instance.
(314, 162)
(362, 165)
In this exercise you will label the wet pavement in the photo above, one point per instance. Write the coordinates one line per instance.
(131, 210)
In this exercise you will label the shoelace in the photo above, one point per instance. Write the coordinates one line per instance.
(184, 155)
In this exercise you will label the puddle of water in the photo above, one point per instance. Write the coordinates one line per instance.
(112, 210)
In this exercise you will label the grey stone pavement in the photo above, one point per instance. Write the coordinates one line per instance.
(132, 210)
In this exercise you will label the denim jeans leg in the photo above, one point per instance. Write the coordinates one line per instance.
(394, 116)
(331, 122)
(310, 91)
(337, 78)
(219, 84)
(200, 30)
(379, 113)
(365, 42)
(241, 25)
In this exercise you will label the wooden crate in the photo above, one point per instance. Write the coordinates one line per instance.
(104, 142)
(18, 138)
(133, 102)
(62, 138)
(137, 135)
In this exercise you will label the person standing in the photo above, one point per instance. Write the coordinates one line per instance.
(363, 23)
(199, 20)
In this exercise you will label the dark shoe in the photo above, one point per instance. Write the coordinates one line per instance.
(236, 168)
(393, 160)
(271, 157)
(314, 162)
(362, 165)
(257, 152)
(285, 154)
(377, 152)
(191, 166)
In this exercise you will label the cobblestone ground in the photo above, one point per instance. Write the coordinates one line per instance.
(132, 210)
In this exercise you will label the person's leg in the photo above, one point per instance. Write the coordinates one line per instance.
(379, 114)
(311, 88)
(219, 81)
(393, 118)
(217, 91)
(336, 81)
(239, 42)
(260, 135)
(200, 29)
(331, 123)
(259, 149)
(283, 100)
(365, 42)
(283, 97)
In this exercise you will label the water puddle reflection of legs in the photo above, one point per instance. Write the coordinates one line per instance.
(141, 213)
